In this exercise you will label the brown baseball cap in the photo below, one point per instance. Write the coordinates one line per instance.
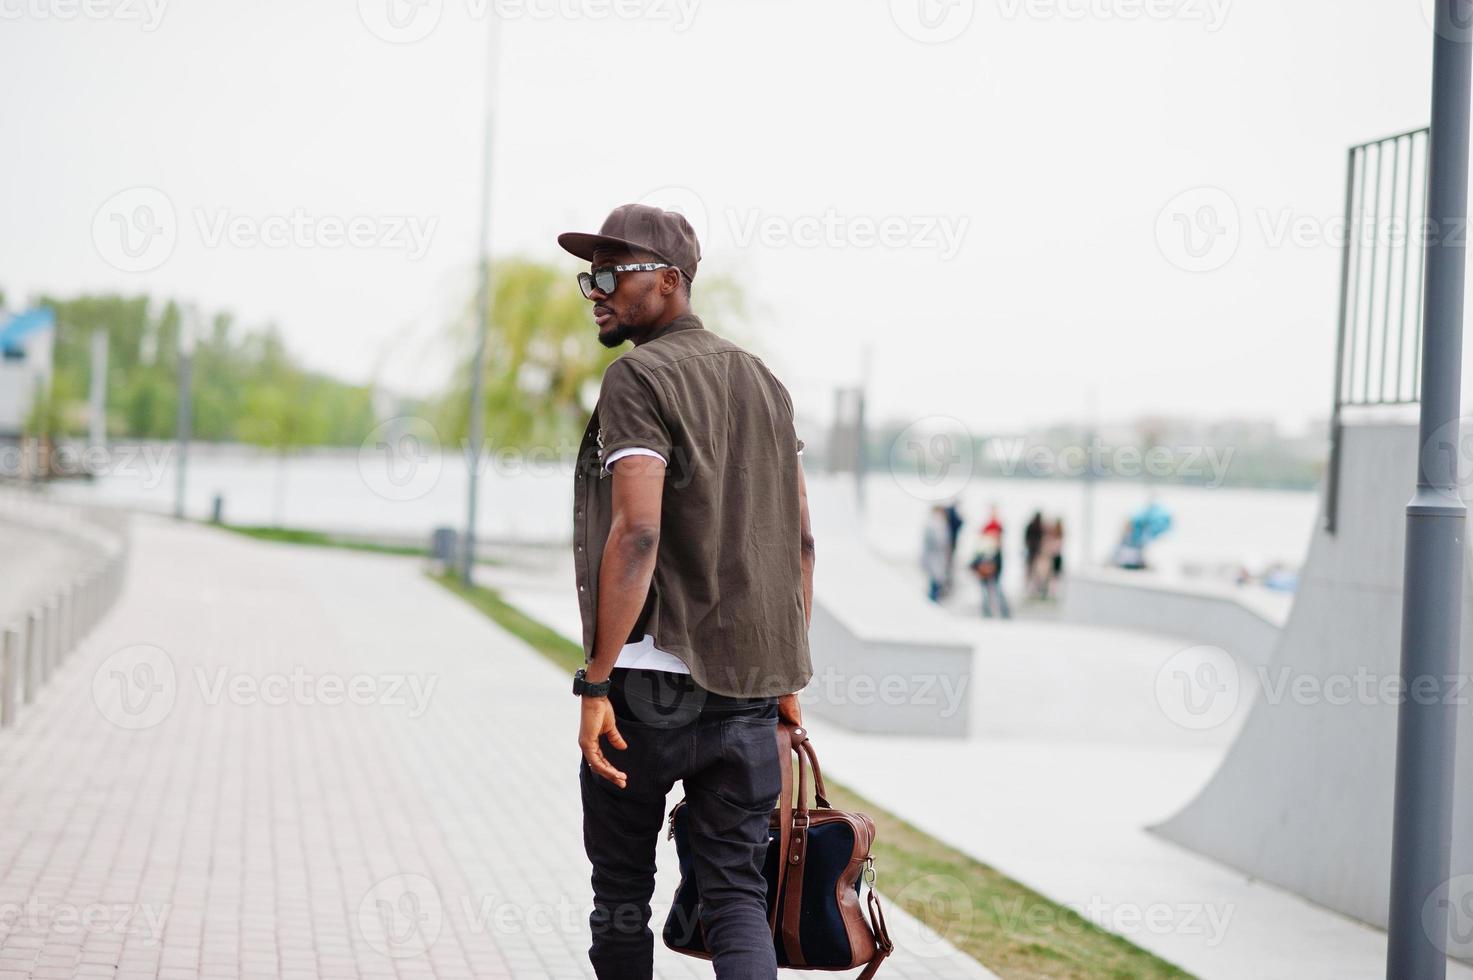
(642, 226)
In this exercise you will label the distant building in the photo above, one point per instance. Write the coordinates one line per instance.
(26, 343)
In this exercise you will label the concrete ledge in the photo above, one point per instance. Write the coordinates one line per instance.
(885, 661)
(1243, 622)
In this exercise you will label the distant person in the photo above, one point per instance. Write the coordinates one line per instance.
(1051, 558)
(936, 551)
(1032, 547)
(954, 524)
(986, 564)
(1144, 526)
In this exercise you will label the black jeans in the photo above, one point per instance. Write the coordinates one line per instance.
(724, 750)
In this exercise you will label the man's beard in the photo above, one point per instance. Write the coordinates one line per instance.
(616, 336)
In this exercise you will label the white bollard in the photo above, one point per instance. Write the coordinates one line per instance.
(35, 649)
(9, 669)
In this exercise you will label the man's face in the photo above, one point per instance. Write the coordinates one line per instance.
(634, 306)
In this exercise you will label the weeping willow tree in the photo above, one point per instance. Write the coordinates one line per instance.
(543, 359)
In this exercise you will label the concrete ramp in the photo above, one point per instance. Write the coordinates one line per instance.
(1304, 796)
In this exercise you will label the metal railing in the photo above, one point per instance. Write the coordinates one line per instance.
(36, 643)
(1378, 345)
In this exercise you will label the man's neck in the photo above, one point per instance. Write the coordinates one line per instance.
(661, 328)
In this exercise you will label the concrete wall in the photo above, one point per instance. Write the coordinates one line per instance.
(1304, 796)
(1198, 612)
(885, 659)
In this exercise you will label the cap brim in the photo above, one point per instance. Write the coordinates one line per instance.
(582, 243)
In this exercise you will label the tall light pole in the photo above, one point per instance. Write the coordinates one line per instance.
(1432, 589)
(483, 302)
(187, 318)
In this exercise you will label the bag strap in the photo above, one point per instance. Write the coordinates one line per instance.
(796, 853)
(883, 945)
(785, 819)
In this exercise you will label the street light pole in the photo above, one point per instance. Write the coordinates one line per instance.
(1433, 576)
(187, 318)
(483, 305)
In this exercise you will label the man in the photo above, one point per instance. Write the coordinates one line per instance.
(694, 566)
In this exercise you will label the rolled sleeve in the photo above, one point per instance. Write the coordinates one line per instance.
(629, 414)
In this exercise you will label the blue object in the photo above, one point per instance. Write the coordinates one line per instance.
(22, 324)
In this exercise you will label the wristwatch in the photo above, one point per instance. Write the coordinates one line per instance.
(583, 686)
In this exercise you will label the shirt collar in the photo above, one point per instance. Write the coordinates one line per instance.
(686, 321)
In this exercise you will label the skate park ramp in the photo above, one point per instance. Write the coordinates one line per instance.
(1303, 798)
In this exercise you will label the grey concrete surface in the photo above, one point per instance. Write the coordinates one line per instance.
(1304, 797)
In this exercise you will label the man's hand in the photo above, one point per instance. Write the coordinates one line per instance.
(598, 719)
(788, 711)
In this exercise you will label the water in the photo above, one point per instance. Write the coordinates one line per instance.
(378, 492)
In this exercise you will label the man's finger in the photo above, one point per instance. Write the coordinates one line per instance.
(599, 764)
(615, 739)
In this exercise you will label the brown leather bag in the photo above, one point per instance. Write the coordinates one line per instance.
(821, 855)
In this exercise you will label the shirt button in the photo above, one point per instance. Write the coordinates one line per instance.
(580, 588)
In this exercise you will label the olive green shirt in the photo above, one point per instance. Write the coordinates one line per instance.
(727, 593)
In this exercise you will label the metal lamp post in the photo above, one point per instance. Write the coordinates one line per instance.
(483, 305)
(1433, 576)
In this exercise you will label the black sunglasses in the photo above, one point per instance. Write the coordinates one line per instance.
(606, 277)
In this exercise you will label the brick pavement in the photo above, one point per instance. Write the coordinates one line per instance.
(272, 761)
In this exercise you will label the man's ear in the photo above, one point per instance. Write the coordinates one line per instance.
(669, 282)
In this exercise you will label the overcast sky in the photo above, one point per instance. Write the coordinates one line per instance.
(983, 192)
